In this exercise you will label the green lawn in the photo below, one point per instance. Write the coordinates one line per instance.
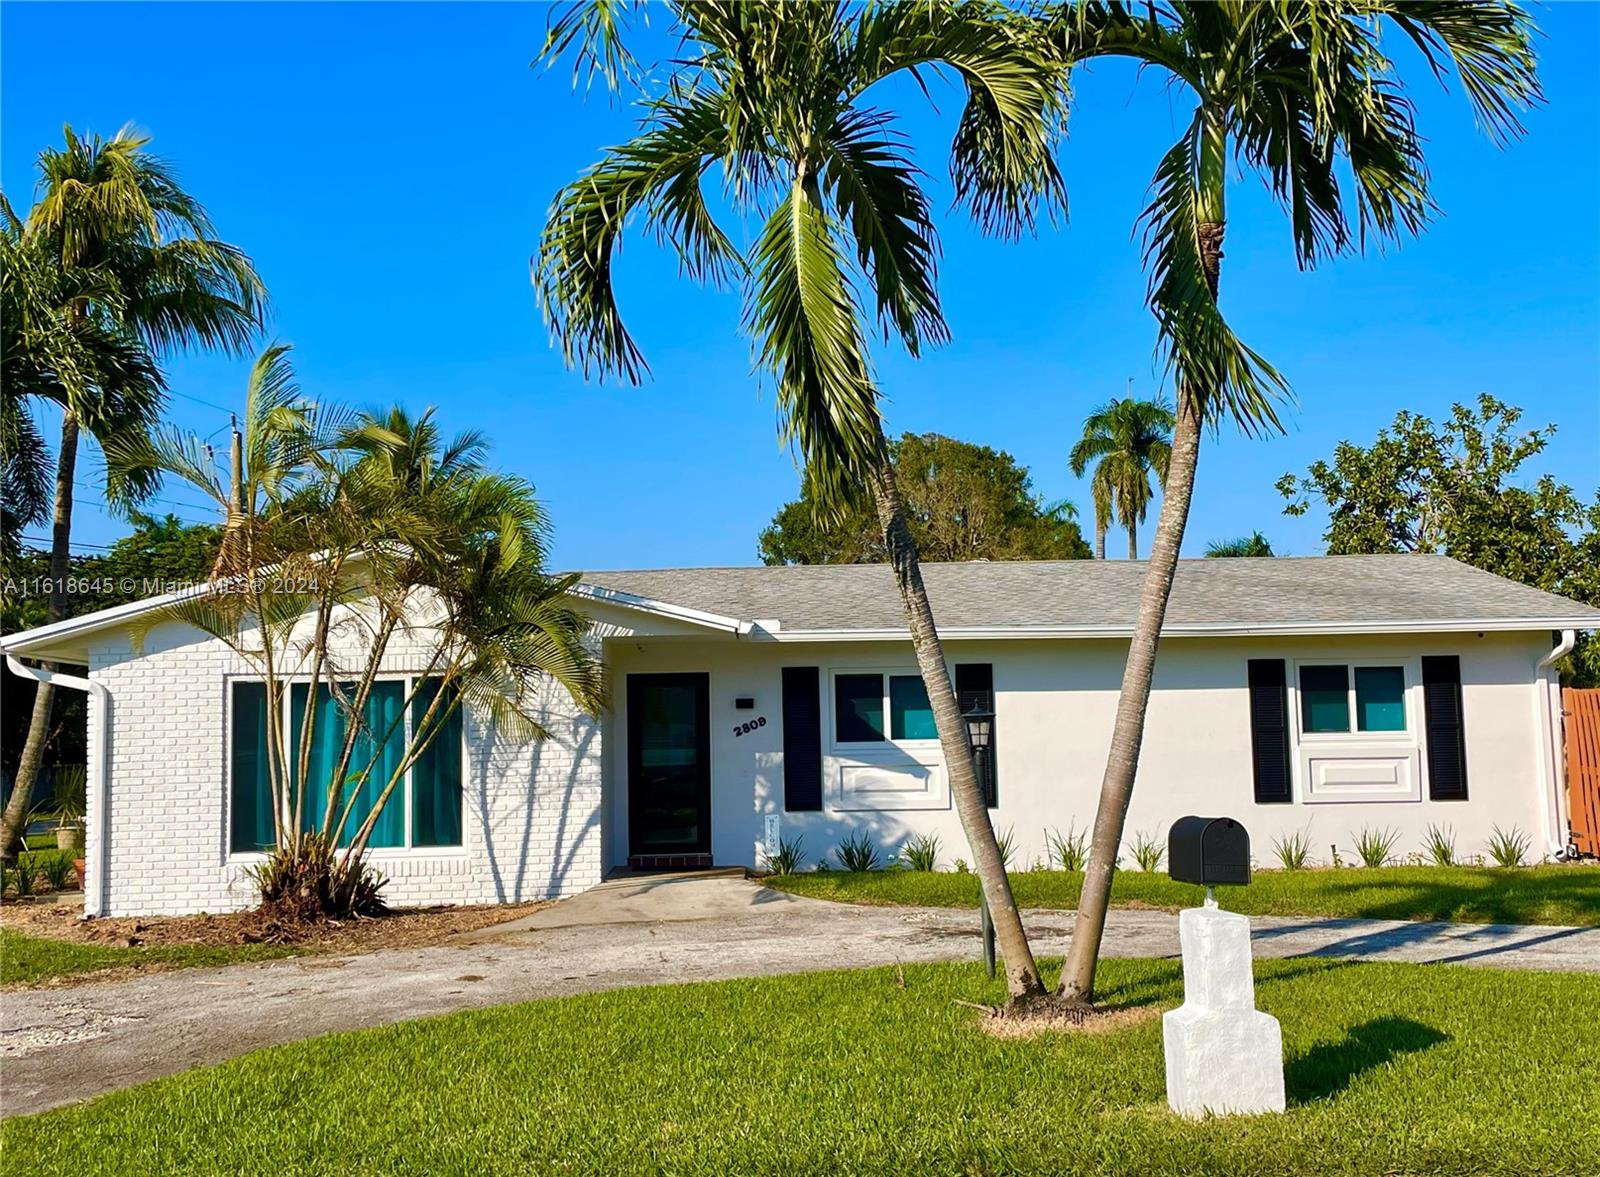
(1390, 1069)
(31, 959)
(1479, 895)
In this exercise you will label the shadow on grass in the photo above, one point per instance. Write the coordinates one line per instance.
(1559, 895)
(1327, 1069)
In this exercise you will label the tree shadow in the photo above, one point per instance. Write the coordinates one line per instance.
(1330, 1067)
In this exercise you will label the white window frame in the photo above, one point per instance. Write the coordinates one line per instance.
(866, 749)
(406, 678)
(1411, 672)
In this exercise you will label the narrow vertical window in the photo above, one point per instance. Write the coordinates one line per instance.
(436, 776)
(250, 825)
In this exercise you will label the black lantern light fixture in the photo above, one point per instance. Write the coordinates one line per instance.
(980, 729)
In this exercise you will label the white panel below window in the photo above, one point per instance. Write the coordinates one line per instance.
(1364, 774)
(888, 787)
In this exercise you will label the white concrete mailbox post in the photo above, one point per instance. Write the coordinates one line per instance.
(1224, 1056)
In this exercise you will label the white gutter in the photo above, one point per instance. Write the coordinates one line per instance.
(624, 600)
(1179, 630)
(1552, 766)
(96, 864)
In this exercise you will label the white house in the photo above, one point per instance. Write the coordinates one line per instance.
(1317, 694)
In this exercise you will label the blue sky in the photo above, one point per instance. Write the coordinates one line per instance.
(388, 167)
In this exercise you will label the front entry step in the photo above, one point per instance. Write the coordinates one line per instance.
(669, 861)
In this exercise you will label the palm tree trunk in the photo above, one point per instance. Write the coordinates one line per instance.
(15, 818)
(1133, 540)
(1099, 540)
(1122, 762)
(1023, 981)
(1127, 734)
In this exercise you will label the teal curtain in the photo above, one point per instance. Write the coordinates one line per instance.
(1380, 699)
(380, 743)
(858, 708)
(436, 776)
(910, 713)
(250, 819)
(1324, 699)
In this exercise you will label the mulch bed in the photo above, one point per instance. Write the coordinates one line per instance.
(412, 927)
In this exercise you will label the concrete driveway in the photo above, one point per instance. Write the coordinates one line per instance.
(64, 1045)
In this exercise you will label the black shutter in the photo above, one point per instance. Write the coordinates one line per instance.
(975, 692)
(1447, 739)
(1269, 731)
(802, 739)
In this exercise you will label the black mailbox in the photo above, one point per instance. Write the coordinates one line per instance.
(1208, 850)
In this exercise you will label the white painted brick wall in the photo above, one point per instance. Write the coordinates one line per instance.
(531, 813)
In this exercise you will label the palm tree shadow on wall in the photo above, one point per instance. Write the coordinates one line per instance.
(1329, 1067)
(564, 850)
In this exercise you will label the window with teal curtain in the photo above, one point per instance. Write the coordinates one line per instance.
(910, 713)
(436, 776)
(1380, 699)
(250, 816)
(380, 743)
(1324, 699)
(858, 708)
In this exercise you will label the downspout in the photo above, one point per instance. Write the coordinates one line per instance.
(97, 865)
(1552, 791)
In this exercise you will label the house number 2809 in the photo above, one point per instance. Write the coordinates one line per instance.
(744, 729)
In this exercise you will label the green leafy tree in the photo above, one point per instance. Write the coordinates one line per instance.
(780, 99)
(1304, 97)
(1254, 544)
(1456, 488)
(1127, 440)
(963, 502)
(137, 262)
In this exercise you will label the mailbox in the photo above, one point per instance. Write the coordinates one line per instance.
(1209, 851)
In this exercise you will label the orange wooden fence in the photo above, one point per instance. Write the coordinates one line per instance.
(1582, 712)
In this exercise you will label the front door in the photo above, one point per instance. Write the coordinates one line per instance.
(669, 768)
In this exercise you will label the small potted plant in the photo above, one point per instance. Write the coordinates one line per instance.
(70, 804)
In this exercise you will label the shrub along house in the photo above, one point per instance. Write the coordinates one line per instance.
(1321, 695)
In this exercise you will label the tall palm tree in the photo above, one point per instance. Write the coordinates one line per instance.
(1131, 440)
(776, 95)
(104, 375)
(1299, 94)
(138, 261)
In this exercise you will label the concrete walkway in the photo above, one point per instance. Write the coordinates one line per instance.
(64, 1045)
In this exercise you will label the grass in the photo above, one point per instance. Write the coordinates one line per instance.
(1390, 1069)
(1478, 895)
(27, 960)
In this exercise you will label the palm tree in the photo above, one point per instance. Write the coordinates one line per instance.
(333, 517)
(138, 263)
(1254, 544)
(1298, 94)
(1131, 438)
(775, 94)
(100, 371)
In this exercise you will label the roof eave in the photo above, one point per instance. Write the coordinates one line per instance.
(1191, 630)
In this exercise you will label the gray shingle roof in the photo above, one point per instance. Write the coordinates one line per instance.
(1348, 592)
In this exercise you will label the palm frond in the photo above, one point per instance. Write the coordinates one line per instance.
(658, 171)
(1201, 350)
(876, 188)
(805, 319)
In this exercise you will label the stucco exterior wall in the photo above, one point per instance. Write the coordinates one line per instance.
(1055, 702)
(550, 819)
(531, 813)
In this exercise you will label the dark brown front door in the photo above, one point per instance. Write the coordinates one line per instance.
(669, 765)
